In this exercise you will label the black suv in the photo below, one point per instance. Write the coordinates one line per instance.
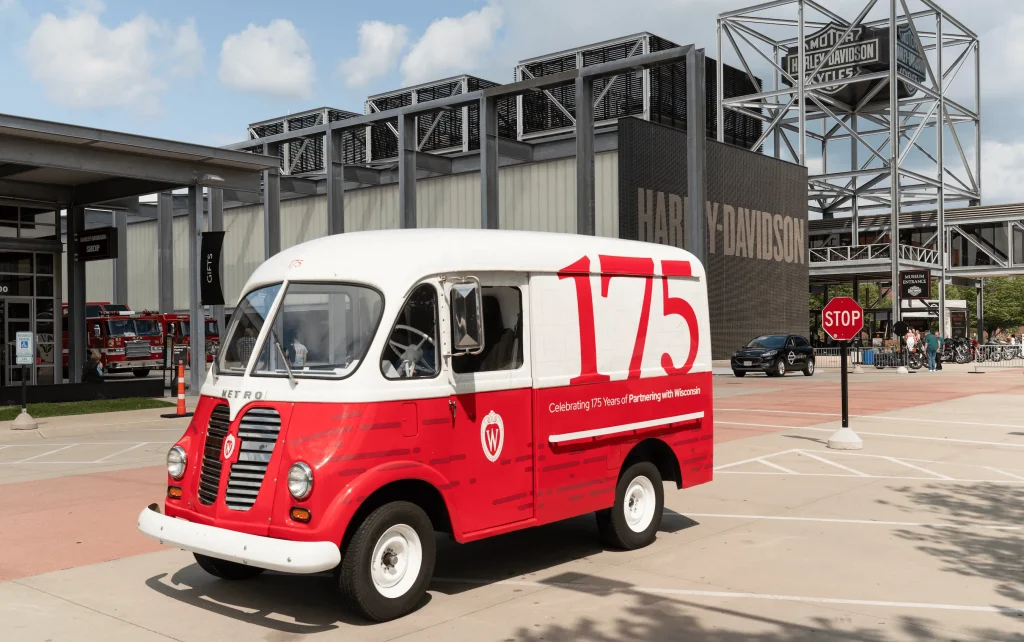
(774, 355)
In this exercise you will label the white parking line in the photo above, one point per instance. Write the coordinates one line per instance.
(948, 439)
(40, 458)
(776, 466)
(915, 467)
(22, 461)
(882, 417)
(1011, 482)
(905, 462)
(747, 461)
(877, 434)
(1003, 472)
(1003, 610)
(832, 463)
(867, 522)
(121, 452)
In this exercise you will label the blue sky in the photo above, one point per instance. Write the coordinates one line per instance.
(200, 107)
(200, 71)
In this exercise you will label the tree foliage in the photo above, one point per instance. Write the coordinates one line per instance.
(1004, 302)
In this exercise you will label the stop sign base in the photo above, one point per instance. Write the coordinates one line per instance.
(845, 439)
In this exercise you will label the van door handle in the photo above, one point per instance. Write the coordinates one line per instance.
(452, 406)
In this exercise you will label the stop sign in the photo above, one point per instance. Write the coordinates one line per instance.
(842, 318)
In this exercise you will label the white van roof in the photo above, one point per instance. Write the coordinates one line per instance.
(398, 258)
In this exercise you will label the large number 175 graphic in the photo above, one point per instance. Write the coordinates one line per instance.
(624, 266)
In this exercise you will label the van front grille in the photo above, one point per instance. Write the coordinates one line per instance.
(209, 474)
(257, 436)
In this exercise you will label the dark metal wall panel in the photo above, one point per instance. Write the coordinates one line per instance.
(625, 97)
(757, 267)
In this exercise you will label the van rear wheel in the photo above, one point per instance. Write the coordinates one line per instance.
(633, 521)
(389, 562)
(226, 570)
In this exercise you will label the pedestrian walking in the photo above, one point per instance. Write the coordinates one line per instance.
(932, 343)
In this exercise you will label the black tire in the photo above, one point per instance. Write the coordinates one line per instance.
(354, 576)
(809, 368)
(612, 523)
(780, 367)
(739, 373)
(226, 570)
(141, 372)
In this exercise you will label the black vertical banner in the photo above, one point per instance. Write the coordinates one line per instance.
(210, 292)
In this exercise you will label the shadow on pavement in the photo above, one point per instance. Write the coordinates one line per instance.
(277, 601)
(993, 554)
(654, 618)
(310, 604)
(527, 551)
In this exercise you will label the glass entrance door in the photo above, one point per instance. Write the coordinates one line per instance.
(19, 316)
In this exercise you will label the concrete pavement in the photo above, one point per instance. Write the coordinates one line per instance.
(919, 536)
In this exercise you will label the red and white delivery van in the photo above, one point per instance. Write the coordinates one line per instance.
(376, 387)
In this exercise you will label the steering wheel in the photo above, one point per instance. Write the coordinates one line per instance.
(416, 351)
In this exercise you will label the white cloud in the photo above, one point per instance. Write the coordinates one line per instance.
(83, 63)
(452, 45)
(187, 50)
(1002, 172)
(380, 45)
(272, 60)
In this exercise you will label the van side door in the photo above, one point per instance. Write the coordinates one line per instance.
(493, 433)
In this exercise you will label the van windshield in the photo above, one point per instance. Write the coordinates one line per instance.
(246, 323)
(323, 330)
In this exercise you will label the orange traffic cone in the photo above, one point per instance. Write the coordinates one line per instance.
(181, 394)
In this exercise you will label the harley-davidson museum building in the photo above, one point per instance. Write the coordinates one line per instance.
(756, 209)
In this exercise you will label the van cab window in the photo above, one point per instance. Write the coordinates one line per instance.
(246, 323)
(320, 329)
(411, 350)
(503, 333)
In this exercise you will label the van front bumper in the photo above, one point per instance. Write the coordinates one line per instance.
(253, 550)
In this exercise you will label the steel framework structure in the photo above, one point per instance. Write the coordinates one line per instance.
(895, 103)
(410, 157)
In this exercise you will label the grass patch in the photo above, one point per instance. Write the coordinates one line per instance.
(40, 410)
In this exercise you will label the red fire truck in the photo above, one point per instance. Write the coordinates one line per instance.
(126, 340)
(178, 327)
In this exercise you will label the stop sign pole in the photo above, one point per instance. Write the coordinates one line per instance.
(843, 318)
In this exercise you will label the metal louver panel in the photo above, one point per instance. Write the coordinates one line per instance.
(257, 436)
(209, 472)
(136, 349)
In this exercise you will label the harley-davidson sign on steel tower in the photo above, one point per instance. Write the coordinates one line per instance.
(882, 107)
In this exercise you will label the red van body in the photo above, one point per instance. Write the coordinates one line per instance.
(603, 392)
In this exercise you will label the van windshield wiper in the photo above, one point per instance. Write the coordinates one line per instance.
(284, 358)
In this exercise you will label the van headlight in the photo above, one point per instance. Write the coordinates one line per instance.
(300, 480)
(176, 462)
(771, 353)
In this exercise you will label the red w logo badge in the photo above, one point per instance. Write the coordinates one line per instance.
(492, 435)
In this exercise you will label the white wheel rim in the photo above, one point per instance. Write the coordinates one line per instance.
(810, 366)
(782, 367)
(639, 504)
(396, 561)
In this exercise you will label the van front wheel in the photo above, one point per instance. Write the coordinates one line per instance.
(634, 519)
(389, 562)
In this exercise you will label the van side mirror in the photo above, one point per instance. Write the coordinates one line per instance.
(467, 317)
